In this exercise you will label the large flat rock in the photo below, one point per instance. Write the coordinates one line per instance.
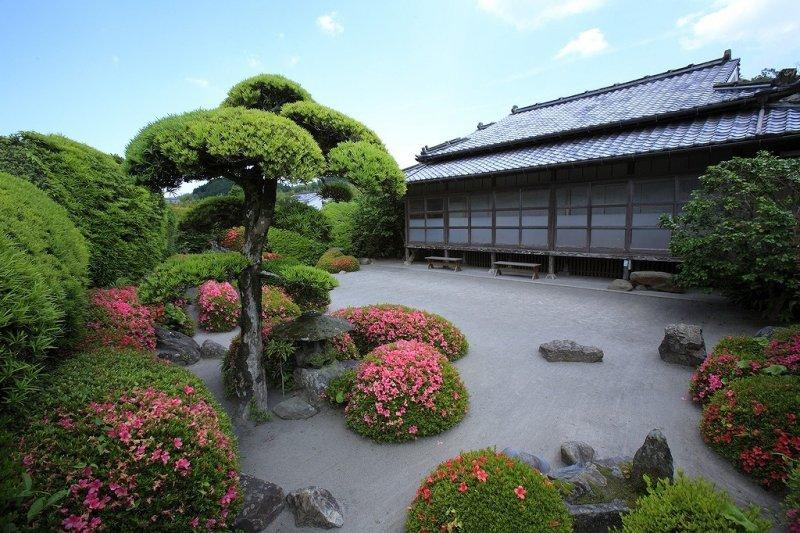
(570, 352)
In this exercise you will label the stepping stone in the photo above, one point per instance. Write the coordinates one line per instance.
(576, 452)
(570, 352)
(263, 502)
(295, 408)
(315, 507)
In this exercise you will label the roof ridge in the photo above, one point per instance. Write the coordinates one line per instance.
(661, 75)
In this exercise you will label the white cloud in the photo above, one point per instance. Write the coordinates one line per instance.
(293, 60)
(586, 44)
(759, 22)
(329, 25)
(529, 14)
(200, 82)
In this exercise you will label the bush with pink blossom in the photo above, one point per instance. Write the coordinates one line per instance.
(116, 318)
(218, 306)
(375, 325)
(405, 390)
(135, 444)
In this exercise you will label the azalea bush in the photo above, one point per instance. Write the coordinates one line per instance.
(375, 325)
(690, 505)
(753, 424)
(334, 261)
(116, 318)
(785, 353)
(405, 390)
(732, 358)
(169, 280)
(233, 239)
(218, 305)
(131, 443)
(791, 504)
(276, 307)
(485, 490)
(344, 347)
(173, 316)
(309, 287)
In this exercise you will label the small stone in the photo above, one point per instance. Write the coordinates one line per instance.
(766, 331)
(620, 285)
(683, 344)
(657, 281)
(263, 502)
(570, 351)
(653, 459)
(295, 408)
(364, 261)
(597, 517)
(315, 507)
(176, 347)
(576, 452)
(212, 350)
(582, 477)
(315, 381)
(534, 461)
(615, 464)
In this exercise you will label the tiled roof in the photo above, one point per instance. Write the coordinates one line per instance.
(695, 86)
(726, 127)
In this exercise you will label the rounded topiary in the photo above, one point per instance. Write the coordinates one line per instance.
(375, 325)
(205, 220)
(486, 490)
(690, 505)
(405, 390)
(732, 358)
(169, 281)
(117, 319)
(753, 424)
(785, 353)
(294, 245)
(135, 444)
(334, 261)
(218, 306)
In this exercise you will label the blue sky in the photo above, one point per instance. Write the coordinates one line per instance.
(417, 72)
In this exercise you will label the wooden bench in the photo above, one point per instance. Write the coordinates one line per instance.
(445, 262)
(515, 266)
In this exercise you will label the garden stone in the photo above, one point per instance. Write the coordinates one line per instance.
(295, 408)
(597, 517)
(766, 331)
(315, 381)
(212, 350)
(311, 334)
(535, 462)
(571, 352)
(683, 344)
(583, 478)
(576, 452)
(614, 464)
(364, 261)
(190, 294)
(263, 502)
(350, 364)
(315, 507)
(657, 281)
(620, 285)
(176, 347)
(653, 459)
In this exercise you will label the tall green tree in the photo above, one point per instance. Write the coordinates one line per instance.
(740, 233)
(252, 142)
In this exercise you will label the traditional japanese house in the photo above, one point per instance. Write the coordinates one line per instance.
(579, 183)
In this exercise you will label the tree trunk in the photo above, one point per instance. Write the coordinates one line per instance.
(259, 200)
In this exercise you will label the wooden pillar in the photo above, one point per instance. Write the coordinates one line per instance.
(447, 252)
(627, 266)
(493, 259)
(551, 267)
(409, 256)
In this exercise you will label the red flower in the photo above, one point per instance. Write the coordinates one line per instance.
(463, 487)
(520, 492)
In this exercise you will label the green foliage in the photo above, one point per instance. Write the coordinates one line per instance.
(279, 362)
(337, 190)
(43, 277)
(690, 505)
(127, 228)
(214, 187)
(742, 346)
(267, 92)
(293, 245)
(791, 504)
(206, 220)
(293, 215)
(739, 233)
(340, 216)
(175, 318)
(307, 286)
(327, 126)
(367, 166)
(340, 387)
(171, 278)
(334, 261)
(244, 145)
(492, 505)
(376, 227)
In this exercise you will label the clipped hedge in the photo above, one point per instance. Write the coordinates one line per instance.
(340, 215)
(403, 391)
(128, 229)
(485, 490)
(375, 325)
(690, 505)
(207, 219)
(43, 277)
(309, 287)
(334, 261)
(328, 126)
(753, 424)
(290, 244)
(171, 278)
(134, 443)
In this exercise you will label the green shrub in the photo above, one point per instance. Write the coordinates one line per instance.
(334, 261)
(403, 391)
(791, 504)
(170, 279)
(337, 191)
(173, 317)
(340, 215)
(753, 424)
(485, 490)
(340, 388)
(328, 126)
(377, 227)
(215, 187)
(742, 346)
(207, 219)
(138, 444)
(690, 505)
(43, 276)
(290, 244)
(293, 215)
(127, 228)
(309, 287)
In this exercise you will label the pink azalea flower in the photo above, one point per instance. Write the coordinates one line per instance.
(413, 430)
(177, 442)
(520, 492)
